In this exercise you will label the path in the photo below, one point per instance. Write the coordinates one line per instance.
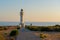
(25, 34)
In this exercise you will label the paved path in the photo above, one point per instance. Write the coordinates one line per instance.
(25, 34)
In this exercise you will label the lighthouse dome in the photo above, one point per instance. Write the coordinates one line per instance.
(21, 9)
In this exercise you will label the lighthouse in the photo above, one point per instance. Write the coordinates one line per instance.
(21, 18)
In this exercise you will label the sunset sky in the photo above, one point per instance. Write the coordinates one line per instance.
(34, 10)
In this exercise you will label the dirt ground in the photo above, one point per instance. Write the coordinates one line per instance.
(4, 33)
(50, 35)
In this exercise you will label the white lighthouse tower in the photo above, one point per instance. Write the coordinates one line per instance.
(21, 19)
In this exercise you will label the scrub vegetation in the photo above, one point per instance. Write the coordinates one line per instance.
(8, 32)
(55, 28)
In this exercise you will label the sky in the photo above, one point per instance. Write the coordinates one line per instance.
(34, 10)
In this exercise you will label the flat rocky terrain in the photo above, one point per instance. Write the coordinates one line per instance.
(25, 34)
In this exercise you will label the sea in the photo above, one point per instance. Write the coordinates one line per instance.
(28, 23)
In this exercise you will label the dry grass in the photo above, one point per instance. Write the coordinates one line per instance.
(4, 33)
(50, 35)
(2, 37)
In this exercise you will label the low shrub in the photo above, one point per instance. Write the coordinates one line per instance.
(43, 36)
(5, 28)
(55, 28)
(18, 27)
(14, 33)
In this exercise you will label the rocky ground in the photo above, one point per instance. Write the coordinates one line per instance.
(33, 35)
(50, 35)
(25, 34)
